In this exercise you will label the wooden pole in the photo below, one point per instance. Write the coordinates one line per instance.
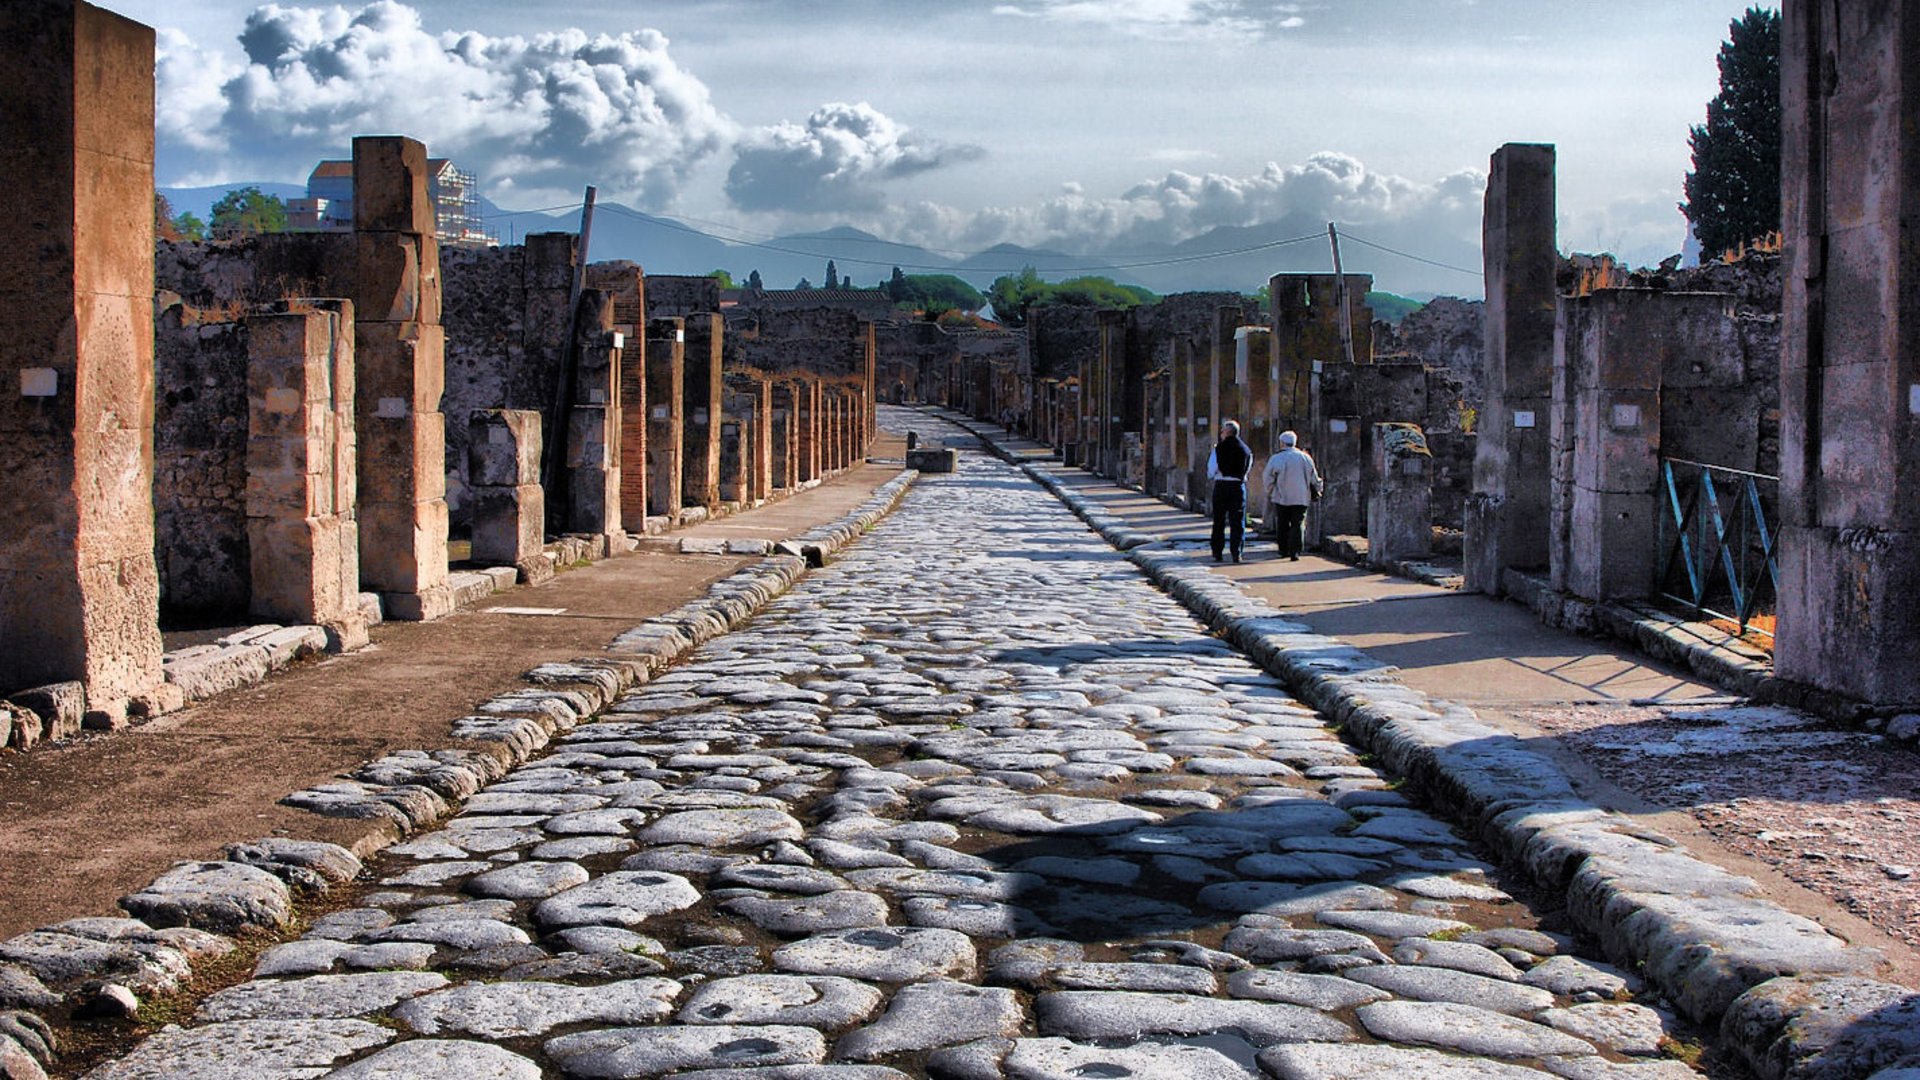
(1340, 295)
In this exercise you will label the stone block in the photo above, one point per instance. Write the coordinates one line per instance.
(60, 706)
(415, 555)
(411, 451)
(424, 606)
(1613, 544)
(399, 367)
(933, 459)
(298, 569)
(509, 523)
(503, 448)
(202, 671)
(387, 276)
(390, 183)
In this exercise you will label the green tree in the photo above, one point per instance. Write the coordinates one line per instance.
(833, 275)
(1733, 192)
(897, 289)
(189, 226)
(248, 211)
(724, 278)
(1012, 295)
(753, 281)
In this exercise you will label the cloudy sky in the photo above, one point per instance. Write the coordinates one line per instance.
(1083, 125)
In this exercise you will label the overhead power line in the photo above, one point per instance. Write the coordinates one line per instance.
(1406, 255)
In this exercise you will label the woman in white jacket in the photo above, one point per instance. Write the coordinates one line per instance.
(1293, 481)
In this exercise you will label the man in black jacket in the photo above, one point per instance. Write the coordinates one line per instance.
(1227, 467)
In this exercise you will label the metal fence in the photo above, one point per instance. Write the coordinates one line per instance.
(1716, 541)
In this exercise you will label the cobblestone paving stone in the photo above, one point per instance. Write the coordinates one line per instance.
(974, 801)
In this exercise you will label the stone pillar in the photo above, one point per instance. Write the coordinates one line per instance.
(79, 592)
(302, 540)
(593, 423)
(1342, 456)
(750, 397)
(509, 505)
(1116, 393)
(1399, 518)
(635, 419)
(700, 472)
(1507, 514)
(1850, 370)
(400, 356)
(1609, 355)
(1197, 419)
(1253, 355)
(869, 389)
(1180, 421)
(734, 448)
(806, 427)
(1228, 400)
(782, 466)
(666, 381)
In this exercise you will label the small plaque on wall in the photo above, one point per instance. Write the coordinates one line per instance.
(1523, 418)
(1337, 426)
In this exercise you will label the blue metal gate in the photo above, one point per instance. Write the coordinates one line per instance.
(1716, 544)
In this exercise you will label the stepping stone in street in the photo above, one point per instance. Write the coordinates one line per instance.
(883, 954)
(1622, 1027)
(1265, 945)
(1157, 978)
(636, 1053)
(1390, 924)
(974, 918)
(621, 898)
(1458, 955)
(464, 934)
(512, 1010)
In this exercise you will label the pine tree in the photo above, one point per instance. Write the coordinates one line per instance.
(833, 275)
(753, 281)
(1733, 192)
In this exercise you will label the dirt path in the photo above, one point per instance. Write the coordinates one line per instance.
(88, 821)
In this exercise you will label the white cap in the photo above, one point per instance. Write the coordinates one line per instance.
(1288, 438)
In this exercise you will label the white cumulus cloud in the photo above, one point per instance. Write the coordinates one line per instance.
(834, 161)
(537, 116)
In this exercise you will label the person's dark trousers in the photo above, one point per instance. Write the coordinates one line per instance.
(1229, 506)
(1291, 518)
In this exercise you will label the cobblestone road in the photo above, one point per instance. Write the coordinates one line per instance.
(976, 801)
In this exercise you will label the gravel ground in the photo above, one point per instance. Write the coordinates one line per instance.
(1837, 811)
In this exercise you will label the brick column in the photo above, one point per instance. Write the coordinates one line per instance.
(1850, 369)
(781, 439)
(400, 356)
(806, 426)
(1507, 514)
(635, 422)
(302, 538)
(79, 593)
(593, 423)
(666, 375)
(734, 449)
(700, 473)
(509, 505)
(1256, 426)
(750, 397)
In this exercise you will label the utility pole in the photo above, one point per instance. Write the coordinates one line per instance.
(554, 478)
(1340, 295)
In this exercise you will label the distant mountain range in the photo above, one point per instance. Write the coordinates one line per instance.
(1231, 258)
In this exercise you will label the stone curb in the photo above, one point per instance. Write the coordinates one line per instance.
(191, 907)
(1783, 993)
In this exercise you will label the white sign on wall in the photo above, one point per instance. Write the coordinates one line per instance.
(1523, 418)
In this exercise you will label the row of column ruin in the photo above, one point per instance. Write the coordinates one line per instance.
(304, 437)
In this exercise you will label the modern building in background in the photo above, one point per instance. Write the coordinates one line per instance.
(328, 206)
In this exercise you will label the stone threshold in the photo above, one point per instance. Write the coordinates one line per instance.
(189, 914)
(1791, 999)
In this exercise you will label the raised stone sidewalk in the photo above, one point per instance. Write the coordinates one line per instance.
(1788, 996)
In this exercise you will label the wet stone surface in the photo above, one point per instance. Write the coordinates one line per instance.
(975, 800)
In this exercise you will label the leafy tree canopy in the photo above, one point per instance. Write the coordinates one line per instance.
(723, 277)
(1733, 192)
(1013, 295)
(248, 211)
